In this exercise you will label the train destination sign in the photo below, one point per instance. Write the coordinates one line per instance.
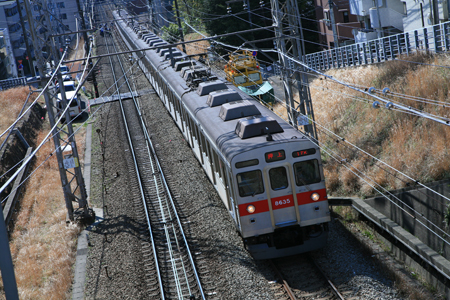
(304, 152)
(275, 156)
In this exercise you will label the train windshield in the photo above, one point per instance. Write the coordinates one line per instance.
(254, 77)
(240, 79)
(250, 183)
(307, 172)
(278, 178)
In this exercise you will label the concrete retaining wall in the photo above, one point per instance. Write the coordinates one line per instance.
(418, 211)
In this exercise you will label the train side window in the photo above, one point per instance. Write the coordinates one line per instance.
(278, 178)
(307, 172)
(250, 183)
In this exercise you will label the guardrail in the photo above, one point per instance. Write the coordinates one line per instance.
(13, 82)
(434, 38)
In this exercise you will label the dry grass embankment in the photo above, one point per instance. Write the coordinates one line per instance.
(43, 246)
(195, 47)
(415, 146)
(11, 102)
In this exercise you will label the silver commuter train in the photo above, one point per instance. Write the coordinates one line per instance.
(268, 175)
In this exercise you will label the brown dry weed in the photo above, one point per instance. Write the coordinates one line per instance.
(414, 146)
(11, 102)
(43, 246)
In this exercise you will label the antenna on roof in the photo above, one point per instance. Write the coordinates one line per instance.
(269, 137)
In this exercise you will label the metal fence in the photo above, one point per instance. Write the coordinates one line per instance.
(434, 39)
(13, 82)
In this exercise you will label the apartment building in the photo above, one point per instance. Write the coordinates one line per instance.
(364, 20)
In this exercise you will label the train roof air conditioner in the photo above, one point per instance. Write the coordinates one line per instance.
(217, 98)
(257, 126)
(238, 109)
(207, 87)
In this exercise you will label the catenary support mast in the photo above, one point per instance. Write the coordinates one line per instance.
(63, 136)
(289, 41)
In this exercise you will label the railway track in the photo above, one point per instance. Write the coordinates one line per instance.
(225, 274)
(301, 277)
(169, 264)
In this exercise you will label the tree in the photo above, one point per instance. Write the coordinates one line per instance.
(219, 22)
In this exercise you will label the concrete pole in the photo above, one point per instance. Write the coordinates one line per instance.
(6, 265)
(180, 29)
(25, 38)
(333, 23)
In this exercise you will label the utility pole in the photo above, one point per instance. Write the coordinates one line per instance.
(289, 41)
(87, 47)
(69, 166)
(25, 38)
(6, 264)
(180, 29)
(333, 23)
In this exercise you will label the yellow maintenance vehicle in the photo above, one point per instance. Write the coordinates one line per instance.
(244, 72)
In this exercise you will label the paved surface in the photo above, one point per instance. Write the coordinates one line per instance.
(83, 239)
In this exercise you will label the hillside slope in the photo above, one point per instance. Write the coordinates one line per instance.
(415, 146)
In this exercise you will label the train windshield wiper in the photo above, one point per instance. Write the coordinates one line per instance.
(305, 184)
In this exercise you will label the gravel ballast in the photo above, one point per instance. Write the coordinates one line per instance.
(115, 269)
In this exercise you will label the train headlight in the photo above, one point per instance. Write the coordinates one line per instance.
(315, 196)
(251, 209)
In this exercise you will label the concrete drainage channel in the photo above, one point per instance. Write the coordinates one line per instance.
(405, 235)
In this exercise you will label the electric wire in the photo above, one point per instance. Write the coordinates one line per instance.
(37, 97)
(52, 129)
(81, 126)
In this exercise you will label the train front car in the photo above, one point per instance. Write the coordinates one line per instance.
(281, 198)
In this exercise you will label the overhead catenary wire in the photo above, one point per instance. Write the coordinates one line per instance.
(52, 129)
(48, 138)
(37, 97)
(370, 154)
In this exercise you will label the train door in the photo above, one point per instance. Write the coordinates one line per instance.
(280, 188)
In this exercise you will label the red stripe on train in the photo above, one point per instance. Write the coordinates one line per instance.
(281, 202)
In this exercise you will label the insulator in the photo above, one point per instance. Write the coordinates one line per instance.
(371, 90)
(261, 3)
(389, 105)
(229, 9)
(376, 104)
(386, 90)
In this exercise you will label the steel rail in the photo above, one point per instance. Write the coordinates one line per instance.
(286, 286)
(164, 212)
(169, 195)
(333, 287)
(169, 218)
(141, 189)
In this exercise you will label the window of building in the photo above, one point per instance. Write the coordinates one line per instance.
(9, 12)
(345, 16)
(60, 5)
(405, 11)
(16, 44)
(63, 16)
(14, 28)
